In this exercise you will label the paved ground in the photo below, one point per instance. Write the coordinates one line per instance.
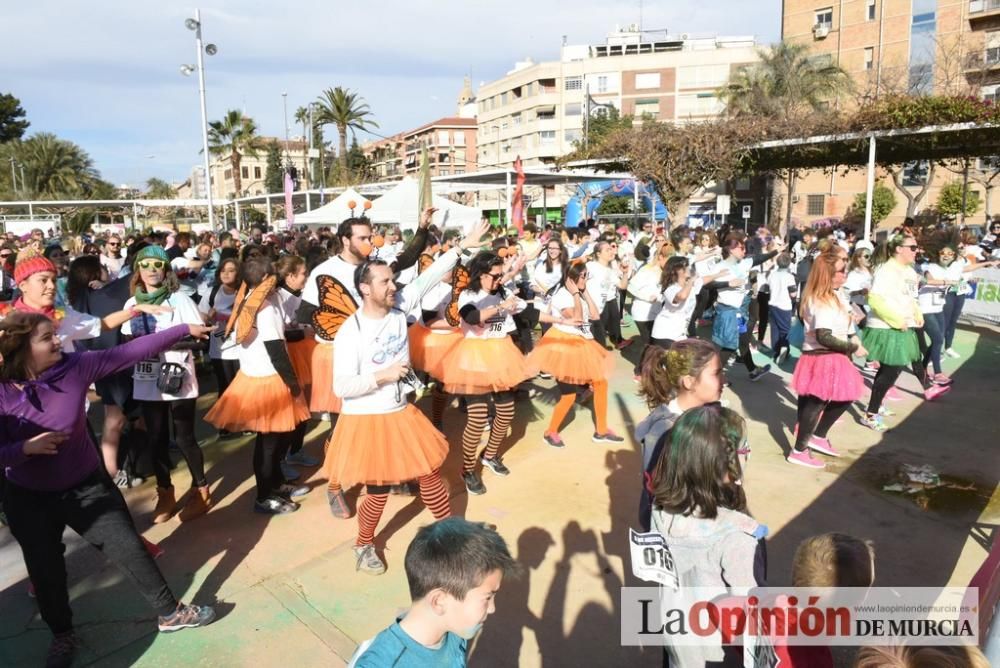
(287, 592)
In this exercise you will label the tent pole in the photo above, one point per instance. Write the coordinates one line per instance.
(871, 187)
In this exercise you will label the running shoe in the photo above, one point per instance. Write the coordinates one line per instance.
(496, 465)
(873, 422)
(274, 505)
(300, 458)
(623, 344)
(941, 379)
(473, 483)
(952, 353)
(885, 411)
(62, 651)
(290, 492)
(782, 357)
(186, 617)
(804, 459)
(759, 372)
(893, 395)
(822, 446)
(338, 504)
(607, 437)
(544, 376)
(367, 560)
(553, 439)
(154, 550)
(872, 366)
(935, 391)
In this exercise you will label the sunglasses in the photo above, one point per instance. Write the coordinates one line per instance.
(495, 277)
(913, 246)
(4, 256)
(866, 255)
(152, 264)
(113, 245)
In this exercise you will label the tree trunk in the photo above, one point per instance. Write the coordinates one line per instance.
(234, 159)
(786, 223)
(342, 131)
(912, 201)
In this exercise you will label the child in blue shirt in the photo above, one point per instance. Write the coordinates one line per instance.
(454, 569)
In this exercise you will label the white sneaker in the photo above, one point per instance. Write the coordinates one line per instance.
(952, 353)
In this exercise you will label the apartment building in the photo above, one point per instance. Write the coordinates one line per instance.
(253, 169)
(896, 46)
(450, 144)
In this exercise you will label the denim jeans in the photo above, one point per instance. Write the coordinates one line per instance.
(953, 304)
(934, 329)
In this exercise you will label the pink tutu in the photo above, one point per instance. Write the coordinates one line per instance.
(828, 376)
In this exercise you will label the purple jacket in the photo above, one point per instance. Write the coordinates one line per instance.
(54, 402)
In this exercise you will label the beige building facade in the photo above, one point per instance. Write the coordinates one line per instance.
(897, 46)
(450, 144)
(253, 169)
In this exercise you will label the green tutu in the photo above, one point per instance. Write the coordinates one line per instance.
(893, 347)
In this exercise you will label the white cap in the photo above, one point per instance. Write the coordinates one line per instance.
(864, 244)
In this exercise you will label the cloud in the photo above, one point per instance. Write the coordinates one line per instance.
(106, 73)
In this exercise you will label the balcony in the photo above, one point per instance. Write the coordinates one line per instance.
(987, 62)
(981, 10)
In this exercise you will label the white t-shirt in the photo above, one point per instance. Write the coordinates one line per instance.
(734, 296)
(672, 320)
(269, 326)
(858, 280)
(644, 287)
(76, 326)
(931, 297)
(562, 300)
(223, 307)
(146, 372)
(496, 327)
(364, 347)
(544, 278)
(707, 266)
(778, 283)
(822, 315)
(601, 282)
(113, 265)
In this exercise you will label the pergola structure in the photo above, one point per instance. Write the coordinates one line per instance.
(878, 147)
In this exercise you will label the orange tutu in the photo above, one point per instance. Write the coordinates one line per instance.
(572, 359)
(481, 366)
(261, 404)
(323, 400)
(384, 449)
(300, 352)
(428, 349)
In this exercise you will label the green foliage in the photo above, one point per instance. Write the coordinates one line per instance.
(274, 173)
(883, 202)
(346, 110)
(12, 118)
(159, 189)
(54, 168)
(357, 164)
(615, 204)
(602, 123)
(904, 111)
(234, 136)
(949, 200)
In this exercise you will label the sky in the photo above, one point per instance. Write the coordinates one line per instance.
(106, 73)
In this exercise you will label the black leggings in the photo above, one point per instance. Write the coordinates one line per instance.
(225, 371)
(886, 377)
(745, 355)
(815, 417)
(95, 509)
(158, 416)
(298, 437)
(268, 451)
(645, 337)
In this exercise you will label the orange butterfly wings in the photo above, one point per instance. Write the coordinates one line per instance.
(335, 306)
(459, 282)
(244, 316)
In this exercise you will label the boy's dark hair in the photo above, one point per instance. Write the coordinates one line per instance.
(455, 555)
(784, 260)
(833, 560)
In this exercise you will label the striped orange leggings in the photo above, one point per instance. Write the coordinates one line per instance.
(479, 410)
(432, 493)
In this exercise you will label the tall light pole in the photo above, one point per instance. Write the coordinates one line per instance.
(195, 25)
(13, 177)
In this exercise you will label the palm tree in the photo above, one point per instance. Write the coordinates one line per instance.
(786, 85)
(53, 168)
(235, 135)
(347, 110)
(159, 189)
(302, 116)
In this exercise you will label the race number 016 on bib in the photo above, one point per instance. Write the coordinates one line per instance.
(651, 559)
(146, 369)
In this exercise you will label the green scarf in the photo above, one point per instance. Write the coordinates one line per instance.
(156, 297)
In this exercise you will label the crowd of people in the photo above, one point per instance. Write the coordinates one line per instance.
(350, 325)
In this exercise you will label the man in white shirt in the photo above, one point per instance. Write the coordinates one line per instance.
(111, 258)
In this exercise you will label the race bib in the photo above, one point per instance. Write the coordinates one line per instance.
(651, 559)
(146, 370)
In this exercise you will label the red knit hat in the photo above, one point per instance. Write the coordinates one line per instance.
(31, 261)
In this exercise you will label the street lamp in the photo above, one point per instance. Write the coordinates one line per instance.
(195, 25)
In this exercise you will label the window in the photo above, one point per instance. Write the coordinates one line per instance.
(444, 157)
(743, 183)
(503, 99)
(546, 114)
(460, 138)
(869, 57)
(573, 135)
(228, 174)
(573, 109)
(915, 173)
(991, 93)
(824, 18)
(650, 107)
(245, 172)
(702, 76)
(573, 83)
(547, 136)
(442, 138)
(515, 119)
(871, 10)
(256, 172)
(647, 80)
(444, 172)
(815, 205)
(992, 55)
(503, 126)
(602, 84)
(459, 171)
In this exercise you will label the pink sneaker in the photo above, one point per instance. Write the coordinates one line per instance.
(935, 391)
(804, 459)
(893, 395)
(154, 550)
(822, 445)
(941, 379)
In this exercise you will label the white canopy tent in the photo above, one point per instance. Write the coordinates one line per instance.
(399, 206)
(334, 212)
